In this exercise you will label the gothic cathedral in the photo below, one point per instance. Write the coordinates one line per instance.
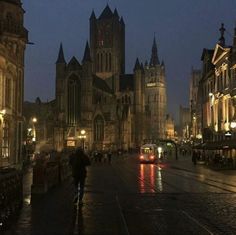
(116, 110)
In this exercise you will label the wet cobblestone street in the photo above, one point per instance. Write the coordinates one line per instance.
(129, 198)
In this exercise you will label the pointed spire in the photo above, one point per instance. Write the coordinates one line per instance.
(222, 39)
(137, 65)
(122, 21)
(87, 56)
(146, 63)
(154, 58)
(93, 16)
(116, 15)
(141, 67)
(60, 58)
(107, 13)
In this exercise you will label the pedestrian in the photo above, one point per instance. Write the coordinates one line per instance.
(194, 157)
(79, 161)
(109, 154)
(100, 156)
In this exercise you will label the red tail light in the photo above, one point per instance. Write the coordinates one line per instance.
(141, 157)
(152, 157)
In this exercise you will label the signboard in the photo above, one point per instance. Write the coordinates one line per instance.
(70, 143)
(151, 84)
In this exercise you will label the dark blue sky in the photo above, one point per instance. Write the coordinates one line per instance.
(183, 28)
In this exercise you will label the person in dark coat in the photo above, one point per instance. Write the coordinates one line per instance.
(109, 154)
(79, 161)
(194, 157)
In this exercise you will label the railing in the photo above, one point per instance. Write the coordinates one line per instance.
(11, 195)
(48, 171)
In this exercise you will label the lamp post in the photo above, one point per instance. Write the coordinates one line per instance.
(34, 120)
(82, 136)
(2, 113)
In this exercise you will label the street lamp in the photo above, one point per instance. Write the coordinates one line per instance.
(34, 120)
(82, 136)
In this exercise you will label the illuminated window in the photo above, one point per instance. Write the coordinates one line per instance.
(98, 128)
(8, 92)
(5, 140)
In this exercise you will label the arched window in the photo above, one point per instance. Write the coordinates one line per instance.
(74, 100)
(98, 128)
(98, 62)
(101, 69)
(5, 139)
(107, 62)
(126, 99)
(110, 62)
(8, 92)
(123, 100)
(9, 20)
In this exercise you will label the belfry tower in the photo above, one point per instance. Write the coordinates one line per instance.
(107, 41)
(155, 94)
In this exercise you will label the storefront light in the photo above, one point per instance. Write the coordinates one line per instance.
(233, 124)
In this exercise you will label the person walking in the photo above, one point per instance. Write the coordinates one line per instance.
(79, 161)
(194, 157)
(109, 154)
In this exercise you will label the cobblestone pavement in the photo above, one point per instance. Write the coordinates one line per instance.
(130, 198)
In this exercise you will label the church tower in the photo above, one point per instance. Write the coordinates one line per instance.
(13, 39)
(155, 94)
(107, 41)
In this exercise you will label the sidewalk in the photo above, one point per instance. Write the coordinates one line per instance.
(55, 214)
(185, 163)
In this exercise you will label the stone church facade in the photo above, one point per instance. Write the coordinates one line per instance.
(116, 110)
(13, 38)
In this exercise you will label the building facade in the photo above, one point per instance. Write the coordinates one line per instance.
(218, 87)
(116, 110)
(13, 39)
(195, 118)
(184, 123)
(170, 128)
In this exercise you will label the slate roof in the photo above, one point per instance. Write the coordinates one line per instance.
(107, 13)
(16, 2)
(126, 82)
(74, 64)
(101, 84)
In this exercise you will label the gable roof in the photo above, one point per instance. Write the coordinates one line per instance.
(101, 84)
(74, 64)
(219, 53)
(107, 13)
(16, 2)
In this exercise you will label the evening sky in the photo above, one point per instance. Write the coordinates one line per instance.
(182, 28)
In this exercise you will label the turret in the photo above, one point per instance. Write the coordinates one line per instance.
(154, 57)
(116, 15)
(87, 61)
(138, 84)
(60, 64)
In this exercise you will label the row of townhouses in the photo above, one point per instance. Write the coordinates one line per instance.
(213, 100)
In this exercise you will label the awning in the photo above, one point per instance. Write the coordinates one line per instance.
(218, 145)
